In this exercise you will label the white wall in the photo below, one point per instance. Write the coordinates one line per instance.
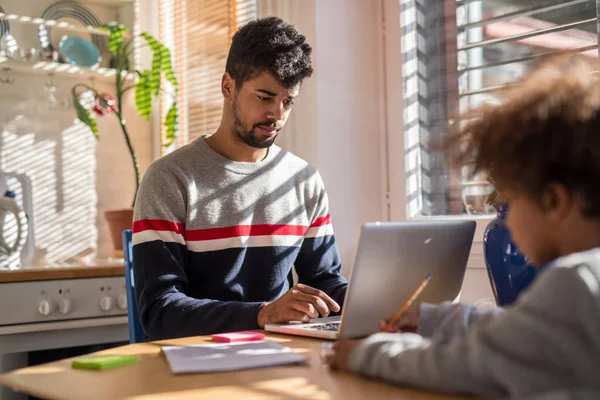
(337, 122)
(349, 62)
(75, 178)
(300, 134)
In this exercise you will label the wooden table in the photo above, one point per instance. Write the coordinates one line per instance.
(151, 378)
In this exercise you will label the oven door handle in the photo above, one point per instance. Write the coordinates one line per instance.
(58, 325)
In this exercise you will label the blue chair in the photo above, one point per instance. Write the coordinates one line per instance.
(136, 332)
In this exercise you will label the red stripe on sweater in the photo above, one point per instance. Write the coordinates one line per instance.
(245, 230)
(324, 220)
(227, 232)
(158, 225)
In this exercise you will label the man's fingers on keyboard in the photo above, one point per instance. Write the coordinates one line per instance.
(322, 307)
(317, 302)
(305, 308)
(322, 295)
(295, 315)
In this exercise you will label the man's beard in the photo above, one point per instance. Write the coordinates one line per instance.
(249, 136)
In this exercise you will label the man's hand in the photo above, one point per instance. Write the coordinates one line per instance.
(300, 303)
(408, 322)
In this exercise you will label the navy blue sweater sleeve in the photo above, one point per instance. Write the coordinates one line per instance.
(166, 311)
(318, 263)
(159, 262)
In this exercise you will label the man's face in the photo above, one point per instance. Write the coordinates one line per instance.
(261, 108)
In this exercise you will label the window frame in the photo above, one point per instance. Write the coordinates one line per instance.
(396, 136)
(396, 141)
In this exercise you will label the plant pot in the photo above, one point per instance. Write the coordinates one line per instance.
(118, 221)
(508, 270)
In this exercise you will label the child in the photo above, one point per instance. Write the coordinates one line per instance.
(541, 147)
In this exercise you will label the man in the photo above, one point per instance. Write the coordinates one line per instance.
(220, 222)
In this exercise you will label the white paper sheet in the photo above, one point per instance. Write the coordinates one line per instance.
(229, 356)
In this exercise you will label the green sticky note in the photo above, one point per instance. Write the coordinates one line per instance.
(103, 362)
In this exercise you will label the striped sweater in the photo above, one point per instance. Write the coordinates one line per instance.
(214, 239)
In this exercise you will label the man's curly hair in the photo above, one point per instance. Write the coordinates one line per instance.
(545, 130)
(269, 45)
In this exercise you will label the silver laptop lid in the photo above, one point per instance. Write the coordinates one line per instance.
(393, 258)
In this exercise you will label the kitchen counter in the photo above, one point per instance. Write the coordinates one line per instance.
(89, 269)
(52, 311)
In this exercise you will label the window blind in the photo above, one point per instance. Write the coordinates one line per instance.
(541, 27)
(456, 55)
(198, 33)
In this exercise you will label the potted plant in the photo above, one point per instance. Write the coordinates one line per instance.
(147, 89)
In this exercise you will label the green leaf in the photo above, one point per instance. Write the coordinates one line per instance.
(117, 34)
(161, 62)
(172, 124)
(155, 46)
(143, 95)
(153, 43)
(114, 41)
(155, 79)
(84, 116)
(167, 68)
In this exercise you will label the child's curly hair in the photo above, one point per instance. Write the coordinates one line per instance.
(545, 130)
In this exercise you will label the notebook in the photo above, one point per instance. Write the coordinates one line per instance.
(229, 357)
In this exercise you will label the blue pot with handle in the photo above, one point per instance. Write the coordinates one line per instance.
(508, 270)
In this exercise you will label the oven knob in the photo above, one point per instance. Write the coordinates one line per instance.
(64, 306)
(106, 303)
(122, 301)
(46, 307)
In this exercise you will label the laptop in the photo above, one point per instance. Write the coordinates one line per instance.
(392, 259)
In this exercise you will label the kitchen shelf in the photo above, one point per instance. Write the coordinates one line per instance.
(99, 74)
(53, 24)
(109, 3)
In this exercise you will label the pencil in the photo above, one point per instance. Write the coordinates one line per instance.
(409, 302)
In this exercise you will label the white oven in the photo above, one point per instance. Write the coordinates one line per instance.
(42, 321)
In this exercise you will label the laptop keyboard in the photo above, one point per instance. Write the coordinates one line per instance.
(332, 326)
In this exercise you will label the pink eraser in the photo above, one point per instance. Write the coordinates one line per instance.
(237, 337)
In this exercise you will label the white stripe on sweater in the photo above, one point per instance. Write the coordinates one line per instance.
(319, 231)
(245, 241)
(150, 236)
(233, 242)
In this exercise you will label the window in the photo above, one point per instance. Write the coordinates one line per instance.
(198, 33)
(455, 55)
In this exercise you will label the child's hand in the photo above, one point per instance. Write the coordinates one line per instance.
(341, 353)
(408, 322)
